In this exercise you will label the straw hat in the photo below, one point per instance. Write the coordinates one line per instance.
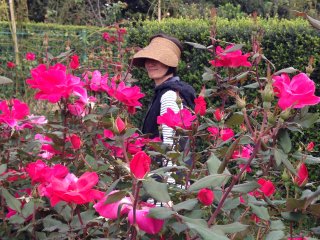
(160, 49)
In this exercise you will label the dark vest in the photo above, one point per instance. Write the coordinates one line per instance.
(185, 91)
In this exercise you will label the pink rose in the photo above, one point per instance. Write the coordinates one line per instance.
(296, 93)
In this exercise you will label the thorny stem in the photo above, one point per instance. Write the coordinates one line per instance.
(234, 181)
(124, 150)
(246, 119)
(65, 130)
(136, 188)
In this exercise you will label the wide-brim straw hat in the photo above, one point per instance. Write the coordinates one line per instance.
(159, 49)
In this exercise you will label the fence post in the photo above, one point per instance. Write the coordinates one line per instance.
(14, 36)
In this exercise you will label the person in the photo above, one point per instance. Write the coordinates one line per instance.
(160, 59)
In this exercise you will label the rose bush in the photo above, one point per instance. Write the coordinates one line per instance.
(85, 172)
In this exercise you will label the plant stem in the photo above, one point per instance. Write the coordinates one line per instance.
(234, 181)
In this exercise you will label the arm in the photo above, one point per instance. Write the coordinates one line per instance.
(168, 100)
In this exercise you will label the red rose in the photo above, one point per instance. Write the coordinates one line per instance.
(140, 165)
(302, 178)
(30, 56)
(201, 106)
(75, 141)
(74, 63)
(11, 65)
(206, 196)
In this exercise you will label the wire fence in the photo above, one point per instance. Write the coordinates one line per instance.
(48, 41)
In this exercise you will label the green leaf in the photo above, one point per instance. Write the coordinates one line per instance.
(292, 216)
(16, 219)
(231, 228)
(293, 204)
(3, 168)
(112, 186)
(115, 197)
(64, 210)
(28, 209)
(199, 226)
(186, 205)
(314, 209)
(196, 45)
(168, 169)
(315, 23)
(91, 162)
(213, 180)
(5, 80)
(234, 48)
(277, 225)
(286, 70)
(235, 120)
(157, 190)
(178, 227)
(86, 217)
(245, 187)
(281, 157)
(231, 203)
(207, 76)
(129, 132)
(261, 212)
(284, 140)
(252, 85)
(275, 235)
(12, 202)
(160, 213)
(308, 120)
(213, 164)
(50, 224)
(309, 159)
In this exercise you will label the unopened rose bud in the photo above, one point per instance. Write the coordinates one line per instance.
(310, 146)
(271, 118)
(240, 102)
(268, 93)
(285, 114)
(179, 101)
(309, 70)
(285, 176)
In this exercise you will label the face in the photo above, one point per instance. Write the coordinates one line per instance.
(156, 70)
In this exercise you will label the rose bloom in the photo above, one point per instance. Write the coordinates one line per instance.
(127, 95)
(182, 119)
(53, 83)
(296, 93)
(145, 223)
(30, 56)
(232, 59)
(200, 106)
(110, 210)
(206, 196)
(266, 187)
(11, 65)
(74, 63)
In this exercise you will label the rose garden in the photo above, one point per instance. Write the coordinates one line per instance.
(74, 164)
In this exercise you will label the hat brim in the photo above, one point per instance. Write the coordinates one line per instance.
(161, 50)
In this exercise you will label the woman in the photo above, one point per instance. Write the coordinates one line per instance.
(160, 58)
